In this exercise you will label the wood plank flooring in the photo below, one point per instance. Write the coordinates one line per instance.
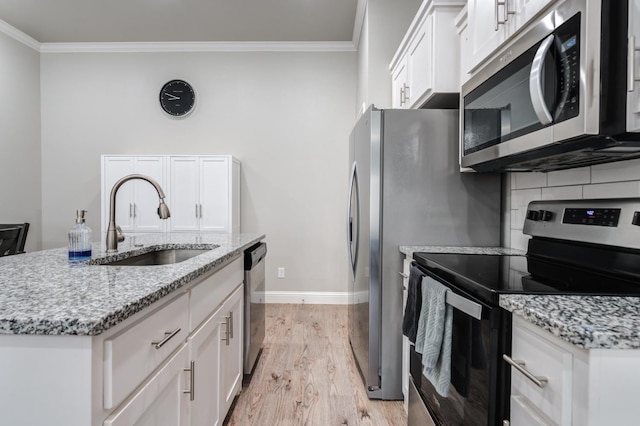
(306, 375)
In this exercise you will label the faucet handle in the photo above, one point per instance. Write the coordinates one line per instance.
(119, 233)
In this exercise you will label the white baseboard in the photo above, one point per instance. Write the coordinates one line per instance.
(308, 297)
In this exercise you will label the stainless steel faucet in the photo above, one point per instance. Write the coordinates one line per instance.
(114, 233)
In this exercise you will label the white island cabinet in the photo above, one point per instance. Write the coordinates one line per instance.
(176, 362)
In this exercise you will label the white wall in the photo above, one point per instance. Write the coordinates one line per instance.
(286, 116)
(613, 180)
(20, 137)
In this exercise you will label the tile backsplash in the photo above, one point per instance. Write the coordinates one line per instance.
(612, 180)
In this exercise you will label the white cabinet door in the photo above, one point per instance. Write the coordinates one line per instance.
(160, 400)
(136, 201)
(399, 79)
(115, 168)
(204, 347)
(633, 96)
(486, 34)
(231, 349)
(184, 192)
(215, 193)
(420, 61)
(526, 10)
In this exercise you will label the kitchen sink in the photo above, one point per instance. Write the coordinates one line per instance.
(160, 257)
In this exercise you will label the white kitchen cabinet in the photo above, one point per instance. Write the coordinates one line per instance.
(218, 377)
(161, 400)
(425, 67)
(204, 193)
(231, 346)
(633, 94)
(585, 387)
(493, 22)
(406, 345)
(136, 200)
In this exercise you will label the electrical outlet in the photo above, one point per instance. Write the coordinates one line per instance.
(281, 272)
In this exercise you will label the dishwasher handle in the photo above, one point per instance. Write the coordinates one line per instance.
(254, 255)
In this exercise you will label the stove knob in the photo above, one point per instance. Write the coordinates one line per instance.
(545, 215)
(533, 215)
(636, 219)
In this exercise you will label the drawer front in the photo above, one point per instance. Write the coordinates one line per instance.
(131, 355)
(209, 294)
(543, 359)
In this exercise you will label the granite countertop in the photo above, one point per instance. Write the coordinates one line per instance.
(42, 293)
(408, 250)
(590, 322)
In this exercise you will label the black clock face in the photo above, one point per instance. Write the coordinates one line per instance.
(177, 98)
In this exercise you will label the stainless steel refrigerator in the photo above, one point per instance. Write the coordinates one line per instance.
(405, 188)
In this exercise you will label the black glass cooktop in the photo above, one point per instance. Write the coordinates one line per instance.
(488, 276)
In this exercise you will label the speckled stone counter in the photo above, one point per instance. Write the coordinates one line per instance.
(590, 322)
(408, 250)
(42, 293)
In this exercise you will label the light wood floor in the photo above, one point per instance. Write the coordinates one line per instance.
(306, 375)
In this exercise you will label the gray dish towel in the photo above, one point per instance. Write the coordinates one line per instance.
(433, 339)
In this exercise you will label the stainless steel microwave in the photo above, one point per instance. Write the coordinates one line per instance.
(556, 96)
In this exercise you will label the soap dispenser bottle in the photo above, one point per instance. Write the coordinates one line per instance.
(80, 239)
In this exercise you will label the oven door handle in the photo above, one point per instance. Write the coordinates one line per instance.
(465, 305)
(535, 82)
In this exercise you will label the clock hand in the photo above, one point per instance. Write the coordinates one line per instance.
(172, 97)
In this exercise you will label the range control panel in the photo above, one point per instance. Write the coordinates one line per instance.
(589, 216)
(613, 222)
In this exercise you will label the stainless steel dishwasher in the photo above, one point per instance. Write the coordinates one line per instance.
(254, 317)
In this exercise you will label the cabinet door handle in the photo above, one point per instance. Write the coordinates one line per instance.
(539, 381)
(407, 93)
(403, 275)
(231, 325)
(226, 331)
(130, 210)
(200, 210)
(197, 211)
(135, 210)
(402, 95)
(167, 336)
(192, 380)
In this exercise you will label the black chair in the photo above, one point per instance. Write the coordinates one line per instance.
(13, 245)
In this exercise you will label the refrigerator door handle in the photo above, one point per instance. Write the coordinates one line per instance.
(353, 243)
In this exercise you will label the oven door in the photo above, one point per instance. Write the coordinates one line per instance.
(480, 381)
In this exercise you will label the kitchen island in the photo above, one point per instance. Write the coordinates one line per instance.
(96, 344)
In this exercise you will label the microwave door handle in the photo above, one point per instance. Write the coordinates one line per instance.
(535, 82)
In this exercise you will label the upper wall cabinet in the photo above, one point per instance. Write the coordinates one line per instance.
(492, 22)
(202, 192)
(425, 68)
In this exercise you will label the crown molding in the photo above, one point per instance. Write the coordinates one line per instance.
(18, 35)
(359, 22)
(338, 46)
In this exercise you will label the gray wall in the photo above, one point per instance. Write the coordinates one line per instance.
(285, 116)
(20, 166)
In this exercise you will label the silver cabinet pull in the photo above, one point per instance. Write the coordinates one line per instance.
(135, 210)
(196, 210)
(130, 210)
(403, 275)
(200, 210)
(407, 94)
(539, 381)
(230, 325)
(167, 336)
(226, 331)
(192, 380)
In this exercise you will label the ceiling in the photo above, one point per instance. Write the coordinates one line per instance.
(114, 21)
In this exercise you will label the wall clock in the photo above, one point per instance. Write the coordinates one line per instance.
(177, 98)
